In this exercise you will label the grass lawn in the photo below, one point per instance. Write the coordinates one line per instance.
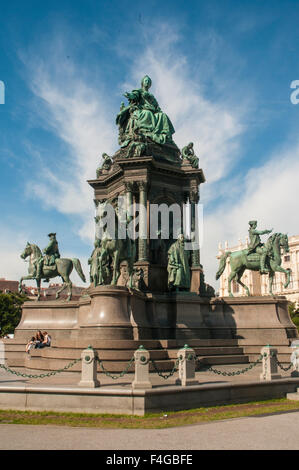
(149, 421)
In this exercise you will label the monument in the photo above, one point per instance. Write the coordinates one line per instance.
(146, 280)
(262, 257)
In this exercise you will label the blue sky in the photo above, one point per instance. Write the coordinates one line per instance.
(222, 72)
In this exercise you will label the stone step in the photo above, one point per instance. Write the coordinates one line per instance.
(106, 344)
(257, 349)
(214, 360)
(10, 355)
(148, 344)
(226, 351)
(218, 350)
(14, 347)
(50, 364)
(15, 362)
(127, 354)
(210, 355)
(105, 354)
(35, 362)
(283, 358)
(178, 343)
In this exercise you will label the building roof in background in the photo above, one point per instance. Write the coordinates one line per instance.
(47, 293)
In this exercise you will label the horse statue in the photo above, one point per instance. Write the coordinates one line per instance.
(63, 269)
(240, 260)
(119, 250)
(112, 250)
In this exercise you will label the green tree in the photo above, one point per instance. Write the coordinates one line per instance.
(294, 314)
(10, 311)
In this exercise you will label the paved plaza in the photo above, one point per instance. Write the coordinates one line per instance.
(276, 432)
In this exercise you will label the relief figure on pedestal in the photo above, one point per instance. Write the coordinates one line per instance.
(189, 155)
(99, 265)
(178, 265)
(106, 164)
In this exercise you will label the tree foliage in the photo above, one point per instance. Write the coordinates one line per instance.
(10, 311)
(294, 314)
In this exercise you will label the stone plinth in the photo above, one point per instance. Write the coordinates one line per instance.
(252, 320)
(113, 316)
(195, 279)
(108, 312)
(58, 315)
(89, 369)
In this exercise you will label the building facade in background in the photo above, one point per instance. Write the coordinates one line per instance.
(47, 293)
(257, 283)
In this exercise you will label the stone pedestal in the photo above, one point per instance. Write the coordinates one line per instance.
(142, 379)
(269, 364)
(118, 318)
(186, 357)
(108, 312)
(252, 320)
(155, 276)
(89, 369)
(195, 280)
(295, 361)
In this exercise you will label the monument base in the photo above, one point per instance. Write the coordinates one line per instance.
(116, 321)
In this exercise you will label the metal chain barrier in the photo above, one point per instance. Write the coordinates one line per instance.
(165, 376)
(237, 372)
(286, 369)
(170, 374)
(121, 374)
(39, 376)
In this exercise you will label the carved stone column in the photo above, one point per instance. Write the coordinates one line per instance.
(196, 269)
(142, 241)
(194, 198)
(129, 185)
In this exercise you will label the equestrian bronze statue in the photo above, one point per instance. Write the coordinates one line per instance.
(265, 258)
(50, 265)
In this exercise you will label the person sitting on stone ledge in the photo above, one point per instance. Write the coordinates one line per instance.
(46, 341)
(30, 345)
(39, 338)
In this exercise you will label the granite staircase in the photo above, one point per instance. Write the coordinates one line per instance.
(163, 353)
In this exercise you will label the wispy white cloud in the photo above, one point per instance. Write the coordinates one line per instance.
(77, 113)
(12, 244)
(268, 193)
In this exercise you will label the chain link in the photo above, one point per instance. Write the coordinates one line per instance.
(170, 374)
(237, 372)
(39, 376)
(286, 369)
(121, 374)
(161, 374)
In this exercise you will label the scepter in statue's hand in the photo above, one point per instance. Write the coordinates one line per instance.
(129, 96)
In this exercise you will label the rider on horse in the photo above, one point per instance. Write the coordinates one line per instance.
(256, 246)
(51, 253)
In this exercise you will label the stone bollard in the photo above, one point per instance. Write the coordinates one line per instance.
(89, 369)
(295, 361)
(142, 379)
(269, 364)
(2, 353)
(186, 357)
